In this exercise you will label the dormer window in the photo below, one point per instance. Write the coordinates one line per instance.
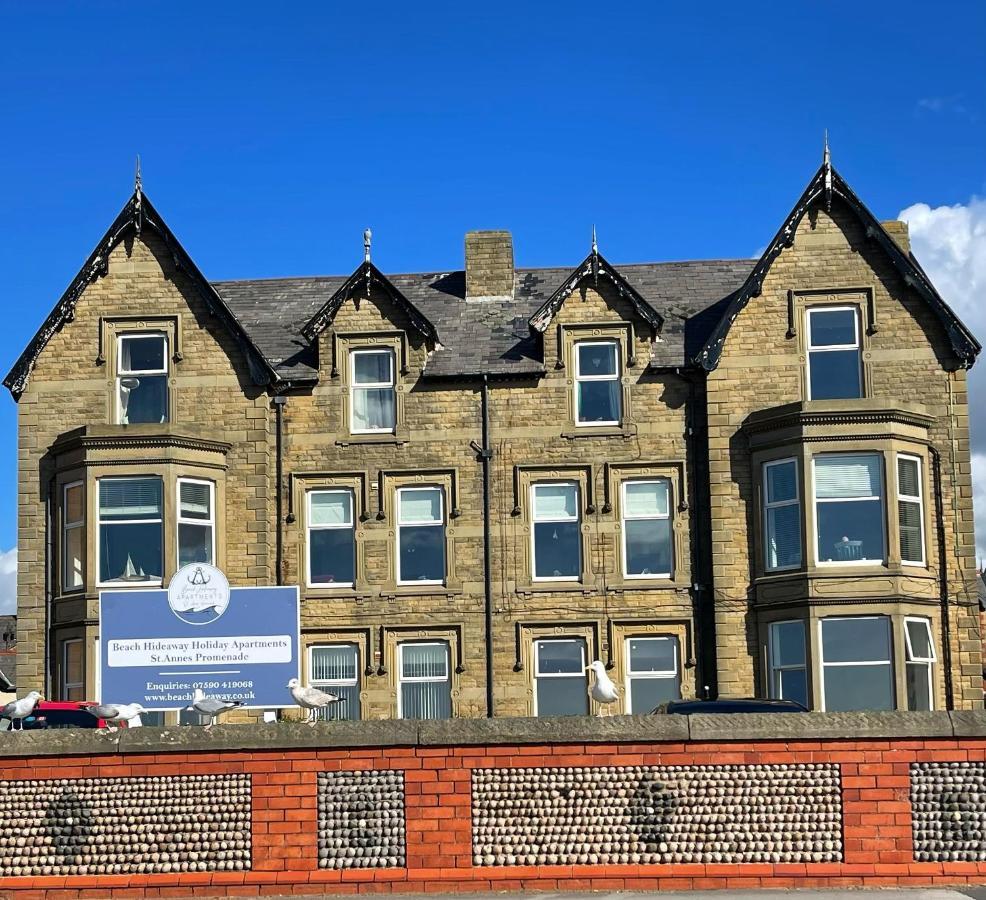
(373, 392)
(142, 379)
(597, 383)
(834, 353)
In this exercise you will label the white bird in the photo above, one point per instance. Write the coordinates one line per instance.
(311, 699)
(19, 710)
(115, 713)
(603, 690)
(213, 707)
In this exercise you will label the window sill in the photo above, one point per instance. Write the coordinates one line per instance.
(398, 438)
(625, 431)
(645, 584)
(557, 587)
(409, 590)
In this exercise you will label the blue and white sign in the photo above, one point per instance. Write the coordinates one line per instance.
(157, 646)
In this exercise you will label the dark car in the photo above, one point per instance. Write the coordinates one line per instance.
(59, 714)
(745, 705)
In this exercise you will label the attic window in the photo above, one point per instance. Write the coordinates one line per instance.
(142, 379)
(597, 383)
(834, 353)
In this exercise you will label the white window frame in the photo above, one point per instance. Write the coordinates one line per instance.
(309, 528)
(821, 654)
(429, 679)
(577, 518)
(883, 510)
(72, 526)
(910, 659)
(774, 690)
(99, 527)
(210, 522)
(626, 517)
(67, 685)
(579, 378)
(665, 674)
(122, 373)
(778, 504)
(857, 345)
(577, 639)
(371, 385)
(329, 683)
(439, 524)
(918, 500)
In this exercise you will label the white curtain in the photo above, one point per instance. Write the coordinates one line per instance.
(646, 499)
(331, 508)
(421, 505)
(555, 501)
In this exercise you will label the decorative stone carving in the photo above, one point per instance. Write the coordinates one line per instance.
(361, 820)
(948, 811)
(615, 815)
(112, 826)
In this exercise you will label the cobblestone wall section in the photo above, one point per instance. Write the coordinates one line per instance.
(948, 801)
(620, 815)
(361, 820)
(110, 826)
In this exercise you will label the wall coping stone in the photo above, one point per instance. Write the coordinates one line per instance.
(716, 728)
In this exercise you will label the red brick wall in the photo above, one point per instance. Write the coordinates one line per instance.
(876, 809)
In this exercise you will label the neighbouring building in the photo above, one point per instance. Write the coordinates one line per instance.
(720, 477)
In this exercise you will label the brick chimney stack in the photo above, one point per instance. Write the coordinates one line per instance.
(489, 265)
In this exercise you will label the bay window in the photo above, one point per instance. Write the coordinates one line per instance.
(856, 663)
(73, 536)
(849, 509)
(196, 522)
(131, 531)
(424, 681)
(331, 538)
(556, 542)
(560, 682)
(73, 670)
(420, 535)
(782, 515)
(373, 393)
(335, 668)
(652, 672)
(910, 510)
(788, 662)
(597, 383)
(834, 353)
(647, 529)
(920, 651)
(142, 378)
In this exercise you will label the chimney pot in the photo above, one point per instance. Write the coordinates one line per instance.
(489, 265)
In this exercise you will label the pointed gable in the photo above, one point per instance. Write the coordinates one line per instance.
(364, 279)
(824, 185)
(137, 214)
(594, 266)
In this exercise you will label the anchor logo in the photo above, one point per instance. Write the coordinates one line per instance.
(199, 577)
(198, 594)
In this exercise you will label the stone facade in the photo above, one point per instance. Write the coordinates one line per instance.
(701, 431)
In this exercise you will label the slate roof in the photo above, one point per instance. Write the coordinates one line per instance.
(490, 337)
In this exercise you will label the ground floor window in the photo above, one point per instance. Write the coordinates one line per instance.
(335, 668)
(920, 649)
(73, 670)
(856, 663)
(788, 662)
(425, 683)
(560, 683)
(652, 672)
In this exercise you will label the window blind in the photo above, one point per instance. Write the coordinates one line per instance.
(331, 508)
(846, 477)
(555, 501)
(195, 500)
(333, 663)
(424, 661)
(646, 499)
(782, 482)
(130, 498)
(420, 506)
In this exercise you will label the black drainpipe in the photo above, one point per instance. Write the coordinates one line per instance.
(946, 625)
(279, 401)
(485, 453)
(49, 588)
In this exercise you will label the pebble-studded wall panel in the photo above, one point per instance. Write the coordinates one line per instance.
(361, 820)
(948, 811)
(104, 826)
(657, 814)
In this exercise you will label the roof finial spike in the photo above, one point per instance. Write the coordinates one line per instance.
(137, 182)
(595, 257)
(367, 237)
(827, 173)
(826, 155)
(595, 246)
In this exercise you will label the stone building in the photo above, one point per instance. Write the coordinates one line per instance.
(721, 477)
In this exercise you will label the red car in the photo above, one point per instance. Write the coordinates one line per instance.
(61, 714)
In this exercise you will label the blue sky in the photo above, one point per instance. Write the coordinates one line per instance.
(271, 135)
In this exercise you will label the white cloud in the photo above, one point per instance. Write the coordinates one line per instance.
(8, 582)
(950, 243)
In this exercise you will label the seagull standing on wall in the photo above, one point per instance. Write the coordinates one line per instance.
(603, 690)
(19, 710)
(311, 699)
(115, 713)
(213, 707)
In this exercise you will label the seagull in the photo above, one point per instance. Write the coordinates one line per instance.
(311, 699)
(19, 710)
(213, 707)
(603, 690)
(115, 713)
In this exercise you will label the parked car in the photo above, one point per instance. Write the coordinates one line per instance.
(60, 714)
(745, 705)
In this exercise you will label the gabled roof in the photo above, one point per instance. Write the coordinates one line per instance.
(594, 266)
(826, 184)
(137, 214)
(364, 278)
